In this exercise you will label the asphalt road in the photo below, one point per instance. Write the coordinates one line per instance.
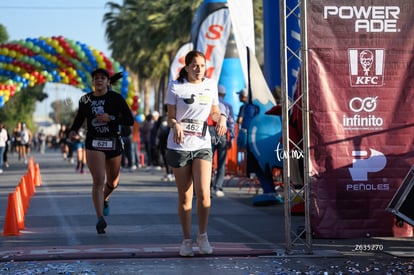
(143, 234)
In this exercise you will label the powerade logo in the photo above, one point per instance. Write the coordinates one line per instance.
(367, 19)
(363, 117)
(366, 67)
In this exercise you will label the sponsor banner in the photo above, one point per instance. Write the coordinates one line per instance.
(179, 60)
(241, 14)
(361, 114)
(212, 37)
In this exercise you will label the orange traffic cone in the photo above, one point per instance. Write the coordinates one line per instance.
(31, 189)
(31, 168)
(19, 208)
(11, 227)
(24, 194)
(30, 165)
(38, 176)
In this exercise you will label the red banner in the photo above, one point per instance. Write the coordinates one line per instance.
(361, 68)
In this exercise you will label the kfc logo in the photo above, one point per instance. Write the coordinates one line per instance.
(366, 67)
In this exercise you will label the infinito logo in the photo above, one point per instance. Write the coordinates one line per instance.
(367, 104)
(366, 67)
(367, 19)
(361, 122)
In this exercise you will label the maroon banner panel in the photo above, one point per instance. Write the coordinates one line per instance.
(361, 80)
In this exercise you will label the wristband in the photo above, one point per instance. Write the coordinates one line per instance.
(223, 115)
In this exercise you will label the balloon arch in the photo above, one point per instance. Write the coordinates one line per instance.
(32, 61)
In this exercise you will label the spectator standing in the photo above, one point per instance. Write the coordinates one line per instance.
(146, 137)
(155, 151)
(3, 143)
(78, 146)
(135, 143)
(26, 141)
(6, 151)
(162, 136)
(42, 141)
(243, 97)
(220, 144)
(126, 161)
(17, 144)
(63, 141)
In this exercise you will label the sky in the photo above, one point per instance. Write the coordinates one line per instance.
(78, 20)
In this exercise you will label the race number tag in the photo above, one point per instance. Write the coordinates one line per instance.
(105, 144)
(194, 127)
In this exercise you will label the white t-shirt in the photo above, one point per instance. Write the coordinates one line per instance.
(193, 105)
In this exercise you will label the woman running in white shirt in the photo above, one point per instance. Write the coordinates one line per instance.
(190, 100)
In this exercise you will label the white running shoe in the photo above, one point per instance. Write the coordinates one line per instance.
(204, 246)
(219, 193)
(170, 177)
(186, 249)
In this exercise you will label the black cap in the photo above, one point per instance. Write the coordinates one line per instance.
(100, 71)
(243, 92)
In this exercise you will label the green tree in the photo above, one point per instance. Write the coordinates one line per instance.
(21, 107)
(63, 112)
(144, 37)
(4, 36)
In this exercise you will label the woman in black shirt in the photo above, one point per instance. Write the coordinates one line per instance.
(104, 111)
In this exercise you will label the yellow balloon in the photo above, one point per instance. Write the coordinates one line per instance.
(130, 93)
(129, 101)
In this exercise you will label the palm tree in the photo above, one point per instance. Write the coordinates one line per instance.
(4, 35)
(145, 35)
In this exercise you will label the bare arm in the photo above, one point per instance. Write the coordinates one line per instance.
(174, 125)
(220, 119)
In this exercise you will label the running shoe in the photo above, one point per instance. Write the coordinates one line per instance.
(186, 249)
(101, 225)
(106, 208)
(219, 193)
(204, 246)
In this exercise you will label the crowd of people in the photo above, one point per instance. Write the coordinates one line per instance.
(20, 141)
